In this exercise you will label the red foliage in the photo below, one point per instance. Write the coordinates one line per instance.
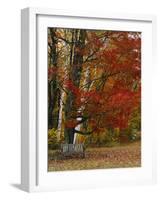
(70, 123)
(71, 87)
(52, 71)
(109, 106)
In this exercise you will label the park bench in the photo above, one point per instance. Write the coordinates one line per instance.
(72, 150)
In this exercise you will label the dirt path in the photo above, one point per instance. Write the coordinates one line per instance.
(100, 158)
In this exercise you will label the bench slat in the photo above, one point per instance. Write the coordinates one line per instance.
(72, 149)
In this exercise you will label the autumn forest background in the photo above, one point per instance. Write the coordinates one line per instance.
(94, 98)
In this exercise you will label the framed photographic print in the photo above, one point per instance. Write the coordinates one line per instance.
(86, 99)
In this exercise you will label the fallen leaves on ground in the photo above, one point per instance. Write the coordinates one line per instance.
(101, 158)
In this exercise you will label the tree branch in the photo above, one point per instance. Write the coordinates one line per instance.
(84, 133)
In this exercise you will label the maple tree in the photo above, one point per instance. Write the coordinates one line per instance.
(94, 80)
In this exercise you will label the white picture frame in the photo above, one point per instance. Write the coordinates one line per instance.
(34, 176)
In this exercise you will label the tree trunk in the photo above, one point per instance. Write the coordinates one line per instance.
(78, 37)
(53, 90)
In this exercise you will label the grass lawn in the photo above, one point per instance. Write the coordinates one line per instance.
(128, 155)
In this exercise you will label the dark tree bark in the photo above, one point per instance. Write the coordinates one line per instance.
(53, 90)
(76, 61)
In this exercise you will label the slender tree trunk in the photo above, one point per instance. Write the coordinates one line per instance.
(60, 115)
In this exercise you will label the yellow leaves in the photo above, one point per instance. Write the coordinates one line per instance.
(109, 83)
(80, 139)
